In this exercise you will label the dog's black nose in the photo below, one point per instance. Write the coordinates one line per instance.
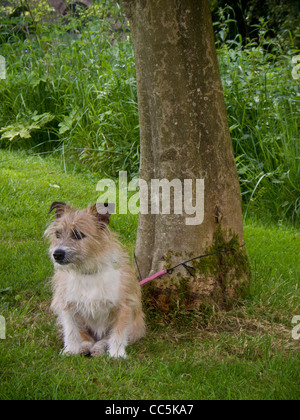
(59, 255)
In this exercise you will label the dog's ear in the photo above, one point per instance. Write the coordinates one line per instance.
(59, 208)
(103, 211)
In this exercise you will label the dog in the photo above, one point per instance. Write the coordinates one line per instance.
(97, 297)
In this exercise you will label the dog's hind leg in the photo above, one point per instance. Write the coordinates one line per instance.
(138, 328)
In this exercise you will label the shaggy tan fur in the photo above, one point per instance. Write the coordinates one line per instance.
(97, 296)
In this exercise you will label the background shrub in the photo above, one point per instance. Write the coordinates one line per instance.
(71, 91)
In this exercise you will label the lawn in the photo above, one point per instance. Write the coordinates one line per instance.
(245, 353)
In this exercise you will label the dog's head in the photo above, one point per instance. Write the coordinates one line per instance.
(78, 237)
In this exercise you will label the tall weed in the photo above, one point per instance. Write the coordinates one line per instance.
(71, 89)
(81, 75)
(263, 109)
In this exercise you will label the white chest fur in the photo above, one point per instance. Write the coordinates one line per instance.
(94, 295)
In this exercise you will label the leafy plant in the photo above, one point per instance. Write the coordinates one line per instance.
(80, 74)
(262, 101)
(23, 129)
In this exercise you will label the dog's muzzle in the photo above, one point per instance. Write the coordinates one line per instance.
(59, 256)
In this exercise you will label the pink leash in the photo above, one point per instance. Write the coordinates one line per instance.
(184, 264)
(159, 274)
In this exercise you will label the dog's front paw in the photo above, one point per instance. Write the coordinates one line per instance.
(117, 351)
(99, 348)
(70, 351)
(86, 347)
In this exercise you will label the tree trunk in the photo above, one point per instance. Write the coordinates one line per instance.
(185, 135)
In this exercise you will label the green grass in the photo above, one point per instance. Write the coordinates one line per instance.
(262, 105)
(245, 353)
(72, 92)
(75, 93)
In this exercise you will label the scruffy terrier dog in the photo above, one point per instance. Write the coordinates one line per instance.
(97, 297)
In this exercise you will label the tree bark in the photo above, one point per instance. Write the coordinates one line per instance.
(184, 134)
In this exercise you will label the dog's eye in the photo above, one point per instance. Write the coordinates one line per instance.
(58, 235)
(77, 235)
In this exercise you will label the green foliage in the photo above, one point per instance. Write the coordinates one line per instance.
(85, 80)
(24, 129)
(71, 89)
(263, 108)
(282, 15)
(245, 353)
